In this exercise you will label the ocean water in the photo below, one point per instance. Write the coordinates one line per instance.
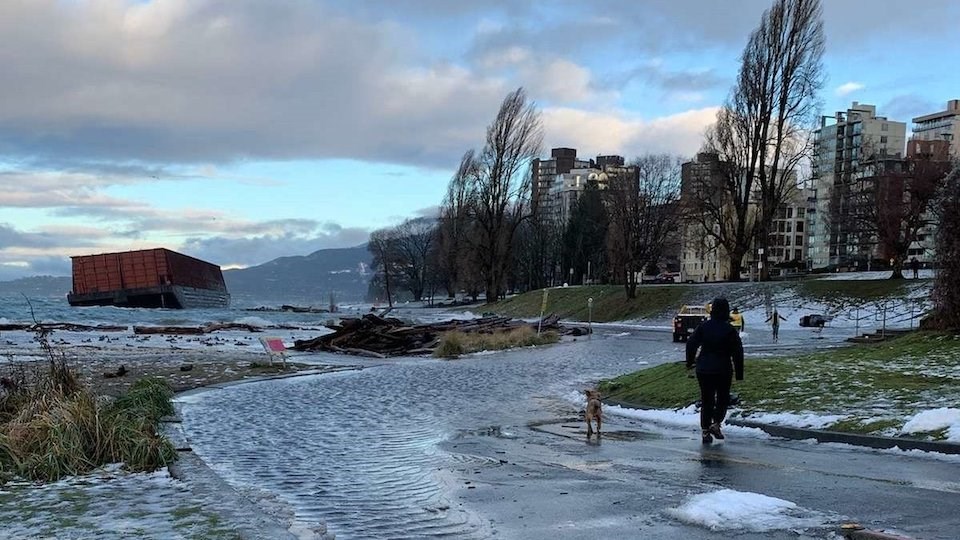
(20, 309)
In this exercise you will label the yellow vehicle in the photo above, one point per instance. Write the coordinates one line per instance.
(736, 318)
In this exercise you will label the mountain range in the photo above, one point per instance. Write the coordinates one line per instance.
(306, 280)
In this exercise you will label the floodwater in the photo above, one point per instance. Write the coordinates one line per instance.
(490, 445)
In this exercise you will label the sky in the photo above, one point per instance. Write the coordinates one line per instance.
(238, 131)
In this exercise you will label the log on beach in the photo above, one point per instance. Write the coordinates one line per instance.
(380, 337)
(194, 330)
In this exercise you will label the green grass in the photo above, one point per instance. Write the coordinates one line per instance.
(453, 344)
(49, 433)
(610, 302)
(873, 386)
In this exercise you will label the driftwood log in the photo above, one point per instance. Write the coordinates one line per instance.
(195, 330)
(69, 327)
(380, 337)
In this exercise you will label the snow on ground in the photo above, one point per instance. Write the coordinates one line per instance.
(925, 273)
(729, 510)
(935, 420)
(807, 420)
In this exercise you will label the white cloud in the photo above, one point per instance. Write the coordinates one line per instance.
(618, 133)
(848, 88)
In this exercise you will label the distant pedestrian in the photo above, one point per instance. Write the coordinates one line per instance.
(720, 356)
(915, 266)
(774, 320)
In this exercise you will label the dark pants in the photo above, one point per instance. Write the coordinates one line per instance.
(714, 397)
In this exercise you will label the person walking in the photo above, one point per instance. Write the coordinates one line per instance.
(774, 320)
(915, 266)
(720, 357)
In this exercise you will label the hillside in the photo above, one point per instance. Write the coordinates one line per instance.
(304, 280)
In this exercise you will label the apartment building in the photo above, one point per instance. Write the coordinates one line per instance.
(560, 200)
(940, 126)
(545, 171)
(841, 149)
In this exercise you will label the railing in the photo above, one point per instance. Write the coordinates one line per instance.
(888, 312)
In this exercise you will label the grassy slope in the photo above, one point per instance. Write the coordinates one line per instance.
(875, 386)
(611, 303)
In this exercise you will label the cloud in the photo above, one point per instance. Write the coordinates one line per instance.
(848, 88)
(616, 132)
(254, 250)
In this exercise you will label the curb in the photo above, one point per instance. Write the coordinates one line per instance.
(856, 439)
(823, 436)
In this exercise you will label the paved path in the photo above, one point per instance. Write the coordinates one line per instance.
(484, 446)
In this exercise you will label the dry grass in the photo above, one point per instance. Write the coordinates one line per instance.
(453, 344)
(52, 425)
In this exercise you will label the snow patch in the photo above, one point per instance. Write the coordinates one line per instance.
(807, 420)
(728, 510)
(934, 420)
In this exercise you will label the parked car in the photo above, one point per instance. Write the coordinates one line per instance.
(687, 320)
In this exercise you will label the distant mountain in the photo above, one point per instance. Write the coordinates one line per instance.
(304, 280)
(38, 286)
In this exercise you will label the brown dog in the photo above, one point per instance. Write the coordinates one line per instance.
(594, 411)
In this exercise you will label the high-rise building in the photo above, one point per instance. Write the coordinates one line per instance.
(940, 126)
(562, 160)
(841, 149)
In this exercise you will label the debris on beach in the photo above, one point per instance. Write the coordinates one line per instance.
(195, 330)
(380, 337)
(69, 327)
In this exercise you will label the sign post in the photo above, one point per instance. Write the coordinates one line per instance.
(590, 317)
(543, 308)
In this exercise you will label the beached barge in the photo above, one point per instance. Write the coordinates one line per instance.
(151, 278)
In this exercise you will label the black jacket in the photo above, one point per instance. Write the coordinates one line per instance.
(721, 350)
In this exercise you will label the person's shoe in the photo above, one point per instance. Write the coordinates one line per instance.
(715, 431)
(707, 437)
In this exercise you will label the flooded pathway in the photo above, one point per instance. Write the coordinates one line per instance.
(489, 445)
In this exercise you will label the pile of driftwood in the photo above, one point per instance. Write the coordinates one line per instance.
(380, 337)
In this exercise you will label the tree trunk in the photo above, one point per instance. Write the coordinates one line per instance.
(736, 260)
(897, 269)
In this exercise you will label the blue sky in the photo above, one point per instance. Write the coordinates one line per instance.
(238, 131)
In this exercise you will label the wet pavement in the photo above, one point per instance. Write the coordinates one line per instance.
(490, 446)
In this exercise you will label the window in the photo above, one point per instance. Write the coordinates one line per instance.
(789, 226)
(801, 212)
(799, 226)
(789, 213)
(883, 138)
(797, 254)
(798, 240)
(884, 127)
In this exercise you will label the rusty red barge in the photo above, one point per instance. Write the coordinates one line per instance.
(150, 278)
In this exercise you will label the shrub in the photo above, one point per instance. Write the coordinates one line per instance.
(453, 344)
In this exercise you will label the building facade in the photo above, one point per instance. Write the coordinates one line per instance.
(545, 171)
(940, 126)
(841, 149)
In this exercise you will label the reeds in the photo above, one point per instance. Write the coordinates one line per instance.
(453, 344)
(53, 426)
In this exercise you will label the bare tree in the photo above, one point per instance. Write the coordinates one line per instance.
(455, 222)
(382, 245)
(762, 131)
(889, 207)
(414, 240)
(946, 288)
(500, 191)
(643, 209)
